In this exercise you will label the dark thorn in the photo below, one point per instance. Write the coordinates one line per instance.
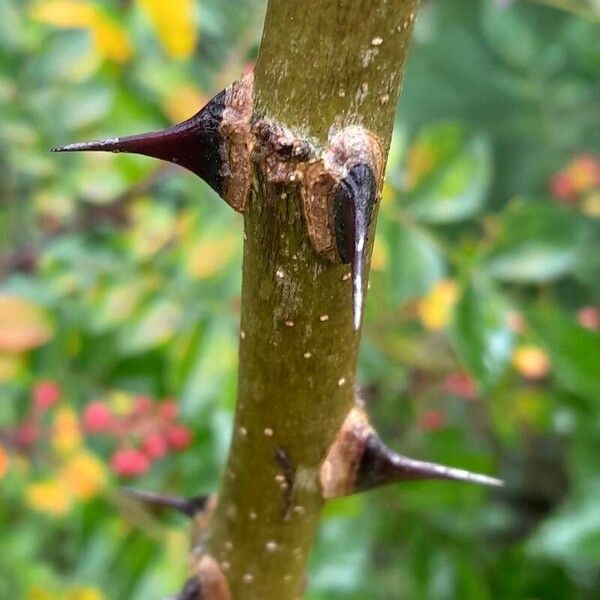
(192, 590)
(194, 144)
(379, 466)
(354, 199)
(187, 506)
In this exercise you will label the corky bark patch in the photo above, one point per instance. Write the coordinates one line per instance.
(339, 469)
(237, 143)
(213, 584)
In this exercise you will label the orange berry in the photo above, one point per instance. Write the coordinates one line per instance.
(531, 362)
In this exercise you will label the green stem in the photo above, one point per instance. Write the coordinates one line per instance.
(322, 63)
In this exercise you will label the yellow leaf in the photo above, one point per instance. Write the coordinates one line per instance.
(84, 475)
(591, 205)
(110, 39)
(50, 496)
(210, 255)
(174, 24)
(39, 593)
(63, 13)
(584, 173)
(66, 434)
(435, 308)
(183, 102)
(84, 593)
(23, 325)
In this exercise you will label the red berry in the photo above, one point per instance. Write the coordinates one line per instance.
(97, 417)
(562, 188)
(179, 437)
(155, 446)
(168, 410)
(26, 434)
(589, 317)
(460, 384)
(432, 420)
(46, 394)
(129, 462)
(143, 405)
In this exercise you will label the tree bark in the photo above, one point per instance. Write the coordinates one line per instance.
(322, 63)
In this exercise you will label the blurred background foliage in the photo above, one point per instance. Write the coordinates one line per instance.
(119, 304)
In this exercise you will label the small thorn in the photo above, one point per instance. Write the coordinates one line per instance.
(379, 466)
(187, 506)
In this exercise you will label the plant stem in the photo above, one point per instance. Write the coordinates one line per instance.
(322, 63)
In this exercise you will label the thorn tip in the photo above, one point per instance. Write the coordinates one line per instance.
(108, 145)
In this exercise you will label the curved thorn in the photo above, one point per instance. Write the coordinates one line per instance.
(187, 506)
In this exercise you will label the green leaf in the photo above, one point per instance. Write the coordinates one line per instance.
(155, 326)
(480, 332)
(538, 242)
(573, 534)
(415, 261)
(574, 351)
(452, 173)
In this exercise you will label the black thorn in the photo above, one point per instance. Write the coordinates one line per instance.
(379, 466)
(187, 506)
(194, 144)
(354, 199)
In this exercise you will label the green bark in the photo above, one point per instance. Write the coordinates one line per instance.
(321, 63)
